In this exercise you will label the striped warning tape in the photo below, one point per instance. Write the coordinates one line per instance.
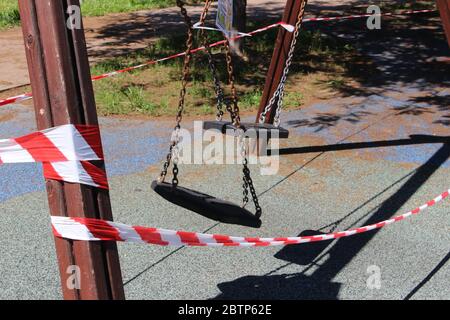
(82, 172)
(63, 143)
(27, 96)
(64, 152)
(15, 99)
(84, 229)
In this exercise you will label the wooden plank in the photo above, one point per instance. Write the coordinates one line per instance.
(444, 10)
(279, 57)
(62, 90)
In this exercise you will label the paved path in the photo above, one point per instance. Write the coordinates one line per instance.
(357, 159)
(316, 189)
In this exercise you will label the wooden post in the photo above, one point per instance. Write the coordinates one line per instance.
(279, 58)
(240, 16)
(63, 94)
(444, 9)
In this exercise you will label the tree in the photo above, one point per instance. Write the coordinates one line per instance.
(240, 14)
(240, 22)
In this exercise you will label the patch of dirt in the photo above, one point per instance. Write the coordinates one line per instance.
(14, 91)
(7, 116)
(108, 36)
(120, 34)
(13, 62)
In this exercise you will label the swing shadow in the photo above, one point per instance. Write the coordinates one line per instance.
(428, 277)
(146, 26)
(413, 140)
(389, 67)
(319, 284)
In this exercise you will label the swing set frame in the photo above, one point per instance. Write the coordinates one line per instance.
(62, 89)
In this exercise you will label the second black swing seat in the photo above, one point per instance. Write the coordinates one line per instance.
(206, 205)
(251, 129)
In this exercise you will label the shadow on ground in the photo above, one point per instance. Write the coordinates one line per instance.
(401, 56)
(403, 61)
(320, 285)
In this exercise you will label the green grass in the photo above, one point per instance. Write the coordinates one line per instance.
(102, 7)
(321, 64)
(9, 13)
(154, 90)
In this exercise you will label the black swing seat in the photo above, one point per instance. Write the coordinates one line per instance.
(206, 205)
(252, 130)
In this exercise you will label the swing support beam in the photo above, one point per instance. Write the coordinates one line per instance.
(279, 58)
(444, 10)
(63, 94)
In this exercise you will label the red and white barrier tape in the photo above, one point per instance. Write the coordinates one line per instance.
(84, 229)
(15, 99)
(82, 172)
(64, 152)
(181, 54)
(27, 96)
(63, 143)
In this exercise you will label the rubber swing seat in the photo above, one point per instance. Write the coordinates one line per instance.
(255, 130)
(206, 205)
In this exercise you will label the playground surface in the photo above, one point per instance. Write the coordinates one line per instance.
(357, 159)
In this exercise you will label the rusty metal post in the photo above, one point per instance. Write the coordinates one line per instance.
(63, 93)
(444, 10)
(279, 58)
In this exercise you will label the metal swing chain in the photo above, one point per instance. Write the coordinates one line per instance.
(173, 155)
(279, 93)
(220, 96)
(248, 186)
(234, 111)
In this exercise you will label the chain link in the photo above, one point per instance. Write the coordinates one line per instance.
(248, 185)
(173, 154)
(235, 113)
(279, 93)
(220, 96)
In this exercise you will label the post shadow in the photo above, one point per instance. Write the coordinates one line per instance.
(428, 277)
(413, 140)
(319, 284)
